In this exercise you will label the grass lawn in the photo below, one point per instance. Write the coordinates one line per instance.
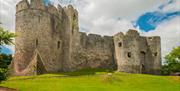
(94, 81)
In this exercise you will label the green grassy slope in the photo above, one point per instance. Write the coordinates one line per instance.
(99, 81)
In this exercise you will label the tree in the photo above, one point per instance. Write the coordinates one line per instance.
(6, 38)
(5, 60)
(172, 63)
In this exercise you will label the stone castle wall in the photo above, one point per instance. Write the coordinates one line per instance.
(42, 28)
(94, 51)
(137, 54)
(50, 36)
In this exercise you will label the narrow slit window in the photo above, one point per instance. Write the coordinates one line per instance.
(72, 31)
(129, 54)
(58, 44)
(39, 19)
(142, 52)
(37, 42)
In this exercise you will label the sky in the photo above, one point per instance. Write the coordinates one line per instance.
(108, 17)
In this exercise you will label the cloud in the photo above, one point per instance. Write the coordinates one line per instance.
(102, 16)
(109, 26)
(7, 14)
(171, 6)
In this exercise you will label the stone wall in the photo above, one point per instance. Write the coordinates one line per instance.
(94, 51)
(127, 51)
(50, 37)
(154, 55)
(137, 54)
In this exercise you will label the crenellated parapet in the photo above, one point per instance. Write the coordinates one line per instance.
(22, 5)
(58, 12)
(52, 10)
(37, 4)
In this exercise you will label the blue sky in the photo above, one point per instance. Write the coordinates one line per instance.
(150, 20)
(108, 17)
(6, 50)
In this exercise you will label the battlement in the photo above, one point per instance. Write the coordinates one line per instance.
(22, 5)
(51, 9)
(132, 33)
(37, 4)
(153, 38)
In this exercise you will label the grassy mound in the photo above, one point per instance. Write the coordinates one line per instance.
(93, 81)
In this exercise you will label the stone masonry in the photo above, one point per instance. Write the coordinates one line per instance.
(48, 41)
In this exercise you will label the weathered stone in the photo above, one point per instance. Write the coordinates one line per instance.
(137, 54)
(54, 34)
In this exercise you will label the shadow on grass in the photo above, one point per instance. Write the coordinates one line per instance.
(82, 72)
(87, 71)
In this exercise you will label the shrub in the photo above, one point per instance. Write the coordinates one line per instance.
(5, 60)
(172, 63)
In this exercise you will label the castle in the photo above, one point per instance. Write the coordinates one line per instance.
(48, 41)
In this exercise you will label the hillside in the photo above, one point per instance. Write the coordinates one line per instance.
(94, 81)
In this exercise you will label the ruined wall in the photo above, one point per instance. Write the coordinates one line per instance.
(137, 54)
(143, 54)
(127, 51)
(154, 55)
(94, 51)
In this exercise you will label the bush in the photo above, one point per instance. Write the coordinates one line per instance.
(6, 38)
(172, 63)
(5, 60)
(3, 74)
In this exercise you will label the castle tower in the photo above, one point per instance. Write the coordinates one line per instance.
(73, 33)
(137, 54)
(127, 51)
(39, 29)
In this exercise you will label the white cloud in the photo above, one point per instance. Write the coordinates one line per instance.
(108, 26)
(102, 16)
(169, 33)
(7, 14)
(174, 6)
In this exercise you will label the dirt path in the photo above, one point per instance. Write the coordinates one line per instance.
(7, 89)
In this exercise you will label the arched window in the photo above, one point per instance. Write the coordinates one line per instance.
(155, 54)
(120, 44)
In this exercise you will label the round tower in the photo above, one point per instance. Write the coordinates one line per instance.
(32, 24)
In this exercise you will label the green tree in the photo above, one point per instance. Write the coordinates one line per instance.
(6, 38)
(172, 62)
